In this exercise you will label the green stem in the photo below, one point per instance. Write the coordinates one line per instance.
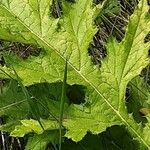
(62, 105)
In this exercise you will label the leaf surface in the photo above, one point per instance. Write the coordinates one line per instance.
(13, 101)
(31, 125)
(39, 142)
(69, 37)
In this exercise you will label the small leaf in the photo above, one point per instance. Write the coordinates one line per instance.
(33, 126)
(40, 142)
(145, 111)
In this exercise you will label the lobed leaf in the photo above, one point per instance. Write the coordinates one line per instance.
(69, 37)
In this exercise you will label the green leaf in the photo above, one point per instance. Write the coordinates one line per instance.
(13, 102)
(33, 104)
(114, 138)
(33, 126)
(138, 97)
(69, 37)
(146, 130)
(50, 34)
(40, 142)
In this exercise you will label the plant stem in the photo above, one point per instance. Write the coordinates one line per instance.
(62, 105)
